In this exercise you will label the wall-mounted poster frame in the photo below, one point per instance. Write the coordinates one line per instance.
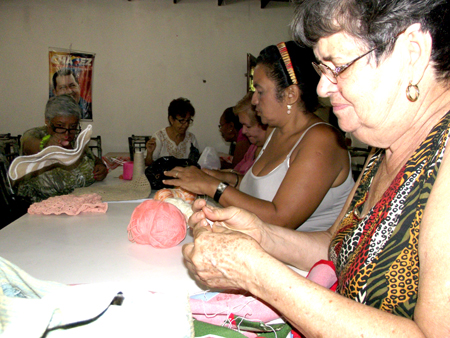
(251, 63)
(71, 72)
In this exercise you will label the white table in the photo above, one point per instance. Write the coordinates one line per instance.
(93, 248)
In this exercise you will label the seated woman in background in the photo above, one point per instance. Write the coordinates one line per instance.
(173, 140)
(256, 133)
(231, 130)
(253, 129)
(62, 125)
(302, 175)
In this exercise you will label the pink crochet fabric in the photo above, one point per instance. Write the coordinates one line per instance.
(69, 204)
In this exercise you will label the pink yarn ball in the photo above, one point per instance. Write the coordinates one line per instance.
(158, 223)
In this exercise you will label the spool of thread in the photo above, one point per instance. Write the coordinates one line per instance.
(139, 164)
(128, 170)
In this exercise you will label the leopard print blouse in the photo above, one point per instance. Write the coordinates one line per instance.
(376, 256)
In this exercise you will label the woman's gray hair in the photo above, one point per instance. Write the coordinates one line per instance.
(376, 23)
(62, 105)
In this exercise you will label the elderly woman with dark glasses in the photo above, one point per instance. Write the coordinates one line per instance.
(174, 140)
(62, 116)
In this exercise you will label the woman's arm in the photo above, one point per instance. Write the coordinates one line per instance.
(222, 258)
(242, 145)
(152, 146)
(313, 169)
(228, 175)
(299, 249)
(100, 170)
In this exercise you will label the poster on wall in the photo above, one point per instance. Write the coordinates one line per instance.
(70, 72)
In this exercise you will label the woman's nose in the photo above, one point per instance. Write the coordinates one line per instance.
(254, 99)
(325, 87)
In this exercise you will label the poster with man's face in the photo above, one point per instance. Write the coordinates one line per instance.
(70, 72)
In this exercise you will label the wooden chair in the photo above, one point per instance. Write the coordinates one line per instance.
(136, 142)
(95, 144)
(10, 146)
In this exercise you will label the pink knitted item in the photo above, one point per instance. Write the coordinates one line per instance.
(185, 195)
(158, 223)
(217, 309)
(69, 204)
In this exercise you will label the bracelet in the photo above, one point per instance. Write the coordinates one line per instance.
(220, 188)
(43, 141)
(237, 180)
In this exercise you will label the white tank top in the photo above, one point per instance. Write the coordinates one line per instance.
(266, 187)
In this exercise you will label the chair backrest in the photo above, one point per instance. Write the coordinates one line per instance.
(10, 146)
(95, 144)
(12, 206)
(136, 142)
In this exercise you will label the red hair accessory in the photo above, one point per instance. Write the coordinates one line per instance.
(287, 61)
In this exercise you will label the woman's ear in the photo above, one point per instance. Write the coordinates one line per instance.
(419, 45)
(292, 94)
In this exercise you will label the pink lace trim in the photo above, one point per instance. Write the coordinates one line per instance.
(69, 204)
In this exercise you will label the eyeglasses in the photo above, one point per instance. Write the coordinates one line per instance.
(332, 74)
(184, 121)
(61, 130)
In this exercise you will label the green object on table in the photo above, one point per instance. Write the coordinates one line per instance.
(202, 329)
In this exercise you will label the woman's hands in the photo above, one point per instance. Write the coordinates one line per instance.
(221, 257)
(59, 140)
(192, 179)
(150, 146)
(100, 171)
(232, 218)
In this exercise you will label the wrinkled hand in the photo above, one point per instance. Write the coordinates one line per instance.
(100, 172)
(231, 218)
(221, 258)
(192, 179)
(151, 145)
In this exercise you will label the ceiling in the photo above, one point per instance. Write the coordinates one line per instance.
(263, 2)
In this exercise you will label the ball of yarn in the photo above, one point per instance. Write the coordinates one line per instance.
(185, 195)
(158, 223)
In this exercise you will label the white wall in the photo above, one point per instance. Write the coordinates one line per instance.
(148, 52)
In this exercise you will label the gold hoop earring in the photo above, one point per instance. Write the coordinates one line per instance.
(289, 107)
(412, 92)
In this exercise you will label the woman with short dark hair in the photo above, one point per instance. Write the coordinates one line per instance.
(174, 140)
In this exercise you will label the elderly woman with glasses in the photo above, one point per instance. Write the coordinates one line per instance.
(385, 65)
(62, 116)
(174, 140)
